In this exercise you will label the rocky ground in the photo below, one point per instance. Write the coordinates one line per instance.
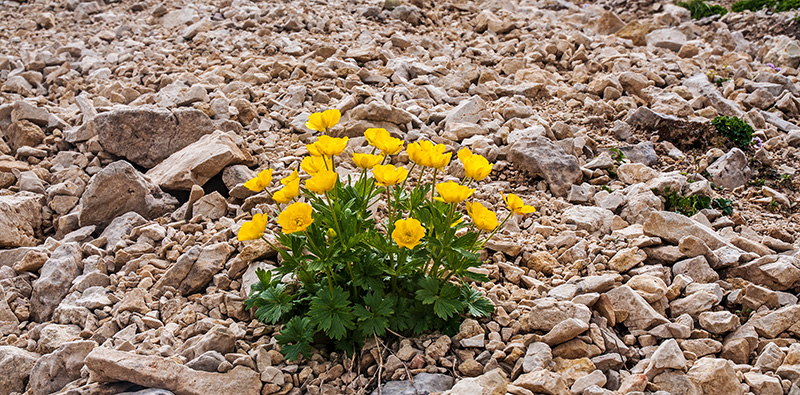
(128, 128)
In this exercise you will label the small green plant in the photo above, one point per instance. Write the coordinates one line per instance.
(796, 17)
(348, 274)
(700, 9)
(735, 129)
(774, 206)
(718, 78)
(691, 205)
(758, 182)
(724, 205)
(775, 5)
(617, 155)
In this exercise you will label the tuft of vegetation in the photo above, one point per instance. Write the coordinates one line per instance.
(774, 5)
(691, 205)
(700, 9)
(735, 129)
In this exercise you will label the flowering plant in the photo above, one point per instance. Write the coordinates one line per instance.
(351, 270)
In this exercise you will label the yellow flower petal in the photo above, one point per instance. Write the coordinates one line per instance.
(288, 192)
(452, 192)
(296, 218)
(291, 177)
(322, 121)
(253, 229)
(482, 217)
(382, 140)
(387, 175)
(516, 205)
(322, 182)
(260, 181)
(476, 167)
(314, 164)
(408, 233)
(367, 161)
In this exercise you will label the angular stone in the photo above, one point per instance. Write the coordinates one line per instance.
(198, 162)
(565, 330)
(671, 39)
(55, 370)
(15, 368)
(626, 259)
(776, 322)
(106, 366)
(195, 268)
(63, 266)
(494, 382)
(148, 136)
(118, 189)
(730, 170)
(20, 219)
(546, 313)
(697, 269)
(715, 376)
(777, 272)
(543, 381)
(671, 227)
(541, 157)
(718, 321)
(640, 314)
(667, 356)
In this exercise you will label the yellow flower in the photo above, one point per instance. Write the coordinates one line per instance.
(439, 161)
(408, 232)
(482, 217)
(322, 182)
(259, 182)
(322, 121)
(425, 153)
(291, 177)
(387, 175)
(315, 164)
(367, 161)
(288, 192)
(475, 166)
(296, 218)
(382, 140)
(452, 192)
(327, 146)
(516, 205)
(254, 228)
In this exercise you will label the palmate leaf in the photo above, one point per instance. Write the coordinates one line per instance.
(373, 317)
(296, 337)
(331, 312)
(477, 305)
(445, 300)
(272, 304)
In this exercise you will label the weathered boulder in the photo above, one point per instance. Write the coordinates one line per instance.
(20, 219)
(53, 371)
(671, 227)
(198, 162)
(715, 376)
(63, 266)
(730, 170)
(541, 157)
(15, 368)
(148, 136)
(118, 189)
(195, 268)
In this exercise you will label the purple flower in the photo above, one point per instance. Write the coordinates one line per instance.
(756, 142)
(772, 66)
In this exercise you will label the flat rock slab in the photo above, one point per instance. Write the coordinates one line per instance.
(541, 157)
(148, 136)
(107, 365)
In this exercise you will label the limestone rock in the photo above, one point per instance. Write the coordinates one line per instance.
(20, 219)
(148, 136)
(107, 365)
(55, 280)
(541, 157)
(15, 368)
(117, 189)
(195, 268)
(198, 162)
(715, 376)
(53, 371)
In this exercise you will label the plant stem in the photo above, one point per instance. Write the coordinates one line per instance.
(510, 213)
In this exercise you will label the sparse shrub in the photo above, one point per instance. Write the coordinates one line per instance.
(735, 129)
(775, 5)
(700, 9)
(691, 205)
(348, 274)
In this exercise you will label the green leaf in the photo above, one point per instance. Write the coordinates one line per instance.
(330, 312)
(273, 304)
(447, 304)
(477, 305)
(295, 338)
(373, 317)
(428, 289)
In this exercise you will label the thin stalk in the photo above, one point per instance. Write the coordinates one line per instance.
(510, 213)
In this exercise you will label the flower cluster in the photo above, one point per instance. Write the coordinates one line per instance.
(357, 274)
